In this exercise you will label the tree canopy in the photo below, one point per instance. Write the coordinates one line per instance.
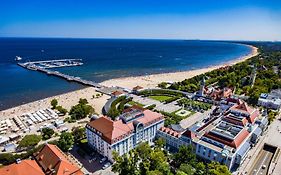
(79, 133)
(54, 103)
(65, 141)
(30, 140)
(265, 67)
(47, 133)
(144, 160)
(81, 110)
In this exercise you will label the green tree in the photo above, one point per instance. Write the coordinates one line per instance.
(184, 155)
(79, 133)
(81, 110)
(200, 168)
(163, 85)
(154, 172)
(29, 141)
(126, 164)
(160, 143)
(83, 101)
(158, 161)
(65, 141)
(54, 103)
(187, 169)
(214, 168)
(47, 133)
(62, 110)
(180, 173)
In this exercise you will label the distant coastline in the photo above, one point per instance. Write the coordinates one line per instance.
(71, 98)
(153, 80)
(104, 60)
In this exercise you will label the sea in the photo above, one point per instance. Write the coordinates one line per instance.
(103, 59)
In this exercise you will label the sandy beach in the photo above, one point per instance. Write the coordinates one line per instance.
(69, 99)
(151, 81)
(66, 100)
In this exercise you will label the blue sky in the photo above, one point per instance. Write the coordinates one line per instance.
(172, 19)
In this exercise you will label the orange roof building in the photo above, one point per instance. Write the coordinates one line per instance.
(225, 138)
(137, 88)
(24, 167)
(54, 162)
(228, 137)
(123, 134)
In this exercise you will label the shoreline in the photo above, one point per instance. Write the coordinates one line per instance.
(149, 81)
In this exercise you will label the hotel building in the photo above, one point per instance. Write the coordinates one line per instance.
(131, 128)
(225, 138)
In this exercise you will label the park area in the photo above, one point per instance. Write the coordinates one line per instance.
(160, 98)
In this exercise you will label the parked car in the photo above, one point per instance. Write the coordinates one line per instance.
(105, 166)
(103, 160)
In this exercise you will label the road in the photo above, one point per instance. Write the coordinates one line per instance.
(264, 158)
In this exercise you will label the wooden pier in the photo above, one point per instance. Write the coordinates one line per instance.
(45, 66)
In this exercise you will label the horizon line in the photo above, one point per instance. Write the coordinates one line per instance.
(56, 37)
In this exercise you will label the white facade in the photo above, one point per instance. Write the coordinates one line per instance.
(125, 144)
(270, 101)
(226, 139)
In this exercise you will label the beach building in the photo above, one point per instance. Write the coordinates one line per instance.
(3, 140)
(24, 167)
(10, 147)
(136, 89)
(54, 162)
(117, 94)
(225, 138)
(131, 128)
(271, 100)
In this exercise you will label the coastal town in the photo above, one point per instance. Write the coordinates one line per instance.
(199, 123)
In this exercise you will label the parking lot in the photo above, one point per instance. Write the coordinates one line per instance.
(92, 164)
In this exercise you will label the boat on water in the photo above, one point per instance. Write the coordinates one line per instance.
(18, 58)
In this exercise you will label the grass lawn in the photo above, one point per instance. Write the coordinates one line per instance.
(135, 103)
(160, 98)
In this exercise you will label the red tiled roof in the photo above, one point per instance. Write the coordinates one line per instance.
(242, 107)
(137, 88)
(117, 93)
(254, 116)
(170, 132)
(54, 161)
(232, 143)
(112, 130)
(25, 167)
(189, 134)
(133, 107)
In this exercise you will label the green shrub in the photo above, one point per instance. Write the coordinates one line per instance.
(30, 140)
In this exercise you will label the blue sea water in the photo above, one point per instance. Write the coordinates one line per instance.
(103, 59)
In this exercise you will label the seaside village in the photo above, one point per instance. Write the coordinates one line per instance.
(218, 125)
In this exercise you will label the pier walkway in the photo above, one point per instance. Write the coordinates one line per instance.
(44, 66)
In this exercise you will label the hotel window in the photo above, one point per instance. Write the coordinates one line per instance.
(209, 154)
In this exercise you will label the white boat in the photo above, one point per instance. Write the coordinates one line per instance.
(18, 58)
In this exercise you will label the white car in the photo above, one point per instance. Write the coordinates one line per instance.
(103, 160)
(106, 165)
